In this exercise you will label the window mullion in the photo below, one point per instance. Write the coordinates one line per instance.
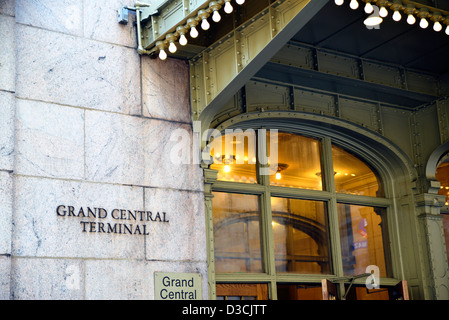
(334, 230)
(266, 219)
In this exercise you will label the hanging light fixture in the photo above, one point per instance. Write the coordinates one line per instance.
(162, 46)
(228, 7)
(423, 14)
(182, 30)
(383, 12)
(409, 10)
(192, 23)
(436, 18)
(354, 4)
(203, 15)
(215, 6)
(240, 2)
(374, 19)
(339, 2)
(396, 7)
(369, 8)
(171, 38)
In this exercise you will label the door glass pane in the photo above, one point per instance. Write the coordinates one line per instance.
(236, 233)
(364, 239)
(299, 292)
(300, 236)
(442, 176)
(353, 176)
(299, 162)
(235, 157)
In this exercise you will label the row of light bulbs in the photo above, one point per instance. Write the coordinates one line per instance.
(397, 6)
(192, 23)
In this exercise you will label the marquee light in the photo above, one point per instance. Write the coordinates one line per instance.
(192, 23)
(412, 10)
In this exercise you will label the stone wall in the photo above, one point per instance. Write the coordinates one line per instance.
(87, 123)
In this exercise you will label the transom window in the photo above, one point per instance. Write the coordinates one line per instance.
(291, 210)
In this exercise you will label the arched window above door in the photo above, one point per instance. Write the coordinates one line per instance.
(319, 209)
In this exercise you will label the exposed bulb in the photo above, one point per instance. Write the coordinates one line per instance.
(172, 47)
(216, 16)
(339, 2)
(162, 54)
(447, 30)
(411, 19)
(423, 23)
(278, 176)
(240, 2)
(354, 4)
(228, 7)
(205, 25)
(397, 16)
(194, 32)
(369, 8)
(437, 26)
(383, 12)
(183, 40)
(227, 168)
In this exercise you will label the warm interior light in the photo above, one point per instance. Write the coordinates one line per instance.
(278, 175)
(162, 54)
(437, 26)
(354, 4)
(369, 8)
(339, 2)
(447, 30)
(205, 25)
(383, 12)
(423, 23)
(194, 32)
(411, 19)
(216, 16)
(397, 16)
(228, 7)
(240, 2)
(227, 168)
(183, 40)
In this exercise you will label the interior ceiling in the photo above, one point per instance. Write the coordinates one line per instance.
(341, 28)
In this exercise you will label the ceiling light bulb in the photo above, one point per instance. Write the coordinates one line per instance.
(423, 23)
(162, 54)
(354, 4)
(339, 2)
(205, 25)
(397, 16)
(228, 7)
(240, 2)
(411, 19)
(278, 176)
(183, 40)
(437, 26)
(194, 32)
(227, 168)
(172, 47)
(383, 12)
(447, 30)
(216, 16)
(369, 8)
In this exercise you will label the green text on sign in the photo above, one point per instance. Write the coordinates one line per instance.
(177, 286)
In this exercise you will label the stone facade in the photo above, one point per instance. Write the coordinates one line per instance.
(87, 122)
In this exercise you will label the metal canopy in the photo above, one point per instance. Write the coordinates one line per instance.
(342, 29)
